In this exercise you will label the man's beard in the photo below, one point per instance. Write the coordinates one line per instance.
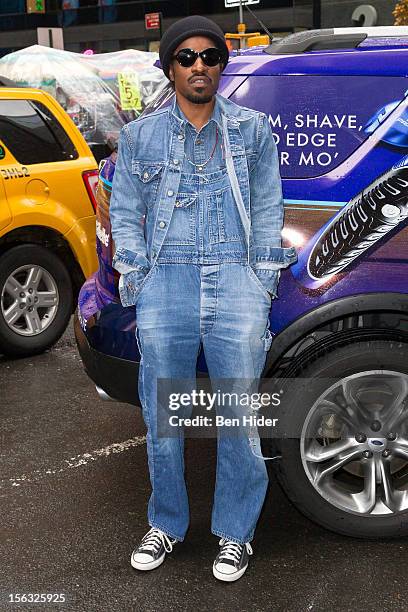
(198, 99)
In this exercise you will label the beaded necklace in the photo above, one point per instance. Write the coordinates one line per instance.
(201, 165)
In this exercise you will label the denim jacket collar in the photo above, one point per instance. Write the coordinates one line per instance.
(223, 106)
(179, 115)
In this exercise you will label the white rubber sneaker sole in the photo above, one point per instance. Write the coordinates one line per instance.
(229, 577)
(147, 566)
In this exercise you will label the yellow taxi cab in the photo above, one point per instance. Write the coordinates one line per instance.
(48, 178)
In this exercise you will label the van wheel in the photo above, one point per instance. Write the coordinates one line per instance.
(35, 300)
(348, 468)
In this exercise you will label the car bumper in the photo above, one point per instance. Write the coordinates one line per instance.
(117, 377)
(82, 240)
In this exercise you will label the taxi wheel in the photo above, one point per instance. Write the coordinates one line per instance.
(36, 300)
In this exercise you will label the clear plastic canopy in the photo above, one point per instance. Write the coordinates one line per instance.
(100, 92)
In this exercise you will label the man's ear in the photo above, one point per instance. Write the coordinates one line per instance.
(171, 73)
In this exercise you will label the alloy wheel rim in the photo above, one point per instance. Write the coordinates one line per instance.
(354, 443)
(29, 300)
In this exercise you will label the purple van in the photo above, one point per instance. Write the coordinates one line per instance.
(337, 102)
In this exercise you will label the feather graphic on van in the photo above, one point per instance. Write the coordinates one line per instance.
(379, 208)
(362, 222)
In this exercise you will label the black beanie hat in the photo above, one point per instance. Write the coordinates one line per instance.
(195, 25)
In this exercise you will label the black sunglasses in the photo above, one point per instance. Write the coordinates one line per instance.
(188, 57)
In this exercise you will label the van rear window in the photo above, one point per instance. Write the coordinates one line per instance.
(32, 133)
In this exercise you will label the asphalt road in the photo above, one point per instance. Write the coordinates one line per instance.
(73, 494)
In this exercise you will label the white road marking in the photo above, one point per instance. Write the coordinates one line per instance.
(73, 462)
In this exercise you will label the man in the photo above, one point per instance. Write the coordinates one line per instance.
(196, 214)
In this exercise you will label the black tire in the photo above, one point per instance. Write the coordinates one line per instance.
(343, 361)
(12, 343)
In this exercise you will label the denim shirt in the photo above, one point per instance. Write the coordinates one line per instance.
(146, 182)
(199, 144)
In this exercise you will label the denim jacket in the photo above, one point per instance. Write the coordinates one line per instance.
(146, 183)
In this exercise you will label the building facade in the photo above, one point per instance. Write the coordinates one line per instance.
(113, 25)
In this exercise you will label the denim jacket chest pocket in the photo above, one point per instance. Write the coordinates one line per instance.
(149, 175)
(182, 228)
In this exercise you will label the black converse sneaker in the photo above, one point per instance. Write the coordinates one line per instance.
(232, 560)
(152, 550)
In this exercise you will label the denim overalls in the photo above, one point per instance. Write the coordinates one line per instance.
(203, 292)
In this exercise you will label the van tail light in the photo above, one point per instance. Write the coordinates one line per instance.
(91, 178)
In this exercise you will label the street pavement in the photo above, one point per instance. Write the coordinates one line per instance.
(73, 494)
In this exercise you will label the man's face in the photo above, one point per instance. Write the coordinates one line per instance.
(199, 83)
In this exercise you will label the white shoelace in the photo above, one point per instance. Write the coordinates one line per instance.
(153, 540)
(232, 550)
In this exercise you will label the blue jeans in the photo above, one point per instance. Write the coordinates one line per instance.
(224, 308)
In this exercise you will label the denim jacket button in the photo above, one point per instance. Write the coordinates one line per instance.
(180, 137)
(170, 193)
(162, 224)
(146, 175)
(176, 162)
(177, 204)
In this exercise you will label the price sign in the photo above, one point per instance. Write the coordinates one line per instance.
(129, 91)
